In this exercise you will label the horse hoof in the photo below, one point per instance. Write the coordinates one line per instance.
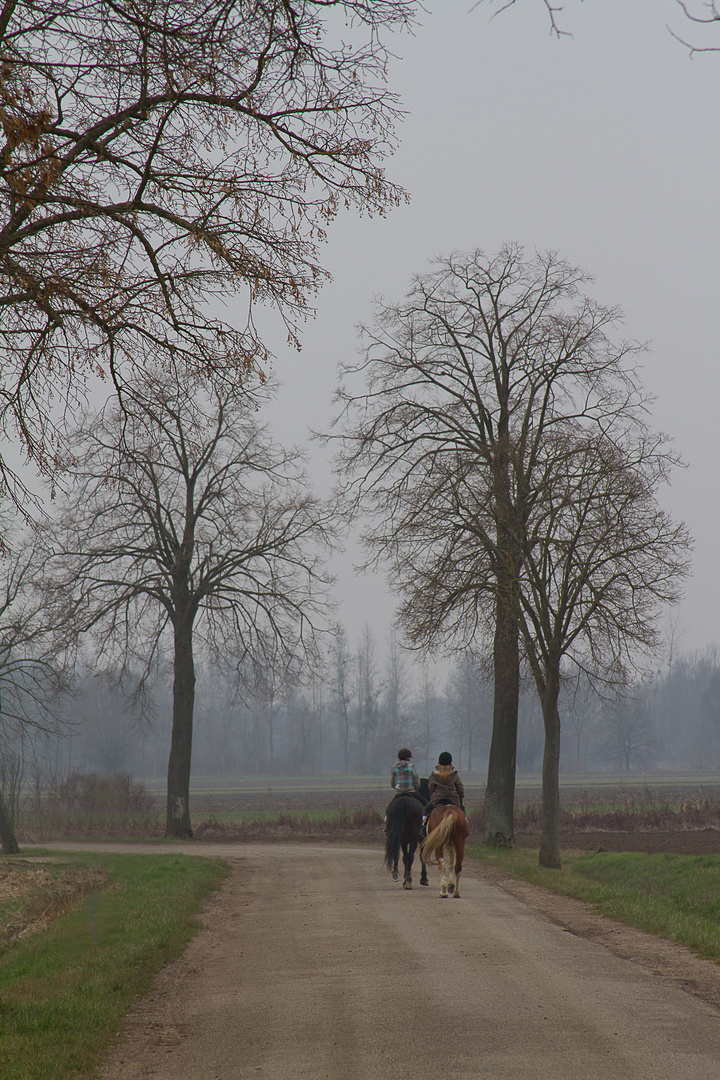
(395, 876)
(407, 885)
(457, 896)
(425, 883)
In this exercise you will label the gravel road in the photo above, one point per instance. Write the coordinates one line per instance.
(313, 964)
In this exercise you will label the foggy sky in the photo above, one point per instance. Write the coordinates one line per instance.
(604, 147)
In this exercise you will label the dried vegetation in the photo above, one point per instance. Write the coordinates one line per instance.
(92, 806)
(33, 894)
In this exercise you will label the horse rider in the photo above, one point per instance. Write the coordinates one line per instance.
(404, 777)
(445, 787)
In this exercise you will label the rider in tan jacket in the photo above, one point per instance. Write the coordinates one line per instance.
(445, 785)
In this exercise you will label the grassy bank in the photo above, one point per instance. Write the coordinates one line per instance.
(673, 896)
(65, 989)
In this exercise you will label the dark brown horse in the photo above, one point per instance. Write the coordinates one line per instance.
(403, 818)
(447, 827)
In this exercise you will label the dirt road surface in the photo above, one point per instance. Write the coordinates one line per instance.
(313, 964)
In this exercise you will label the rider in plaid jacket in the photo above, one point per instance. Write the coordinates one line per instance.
(404, 777)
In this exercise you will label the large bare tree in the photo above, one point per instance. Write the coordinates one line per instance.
(485, 356)
(185, 525)
(601, 560)
(159, 157)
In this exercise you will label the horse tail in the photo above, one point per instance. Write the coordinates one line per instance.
(395, 829)
(437, 839)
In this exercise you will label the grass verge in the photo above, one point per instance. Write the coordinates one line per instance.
(65, 990)
(672, 896)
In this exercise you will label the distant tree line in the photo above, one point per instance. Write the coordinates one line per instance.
(670, 721)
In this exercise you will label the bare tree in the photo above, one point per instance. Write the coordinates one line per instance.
(428, 719)
(485, 356)
(552, 9)
(160, 155)
(468, 705)
(303, 712)
(702, 13)
(367, 702)
(579, 711)
(32, 673)
(186, 522)
(395, 719)
(684, 702)
(626, 733)
(601, 560)
(341, 668)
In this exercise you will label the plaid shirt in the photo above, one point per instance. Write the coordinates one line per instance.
(404, 776)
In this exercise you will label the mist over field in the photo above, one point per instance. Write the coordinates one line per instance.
(671, 724)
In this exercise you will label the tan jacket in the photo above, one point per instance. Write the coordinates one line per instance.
(444, 783)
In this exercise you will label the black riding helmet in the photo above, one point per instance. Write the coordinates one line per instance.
(445, 758)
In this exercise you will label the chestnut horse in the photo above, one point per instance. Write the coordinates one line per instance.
(404, 818)
(447, 827)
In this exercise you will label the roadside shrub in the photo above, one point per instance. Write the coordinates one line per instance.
(91, 804)
(359, 823)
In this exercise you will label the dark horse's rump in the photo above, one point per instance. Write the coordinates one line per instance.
(404, 818)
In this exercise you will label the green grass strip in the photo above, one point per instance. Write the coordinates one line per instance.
(672, 896)
(65, 990)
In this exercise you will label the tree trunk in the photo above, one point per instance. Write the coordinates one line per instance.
(178, 785)
(500, 791)
(7, 833)
(550, 839)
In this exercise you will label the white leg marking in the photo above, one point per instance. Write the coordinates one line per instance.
(443, 878)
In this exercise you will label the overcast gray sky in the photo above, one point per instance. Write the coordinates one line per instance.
(604, 146)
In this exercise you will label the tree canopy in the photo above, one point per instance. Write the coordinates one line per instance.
(159, 159)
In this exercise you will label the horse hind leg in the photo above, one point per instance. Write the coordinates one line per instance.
(453, 882)
(408, 860)
(443, 877)
(459, 854)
